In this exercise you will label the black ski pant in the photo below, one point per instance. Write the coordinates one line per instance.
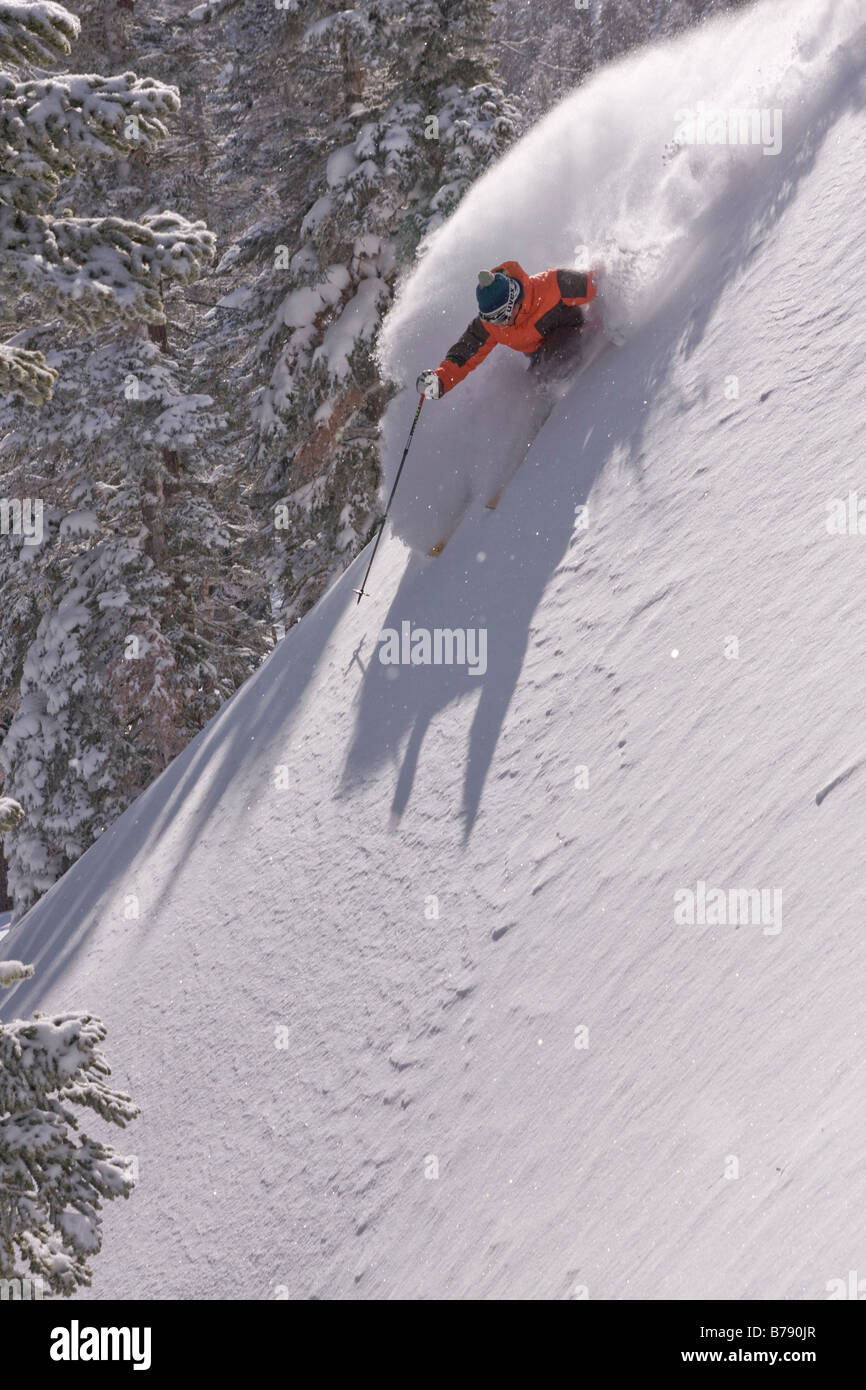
(560, 345)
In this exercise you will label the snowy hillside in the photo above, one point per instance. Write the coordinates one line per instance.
(409, 1003)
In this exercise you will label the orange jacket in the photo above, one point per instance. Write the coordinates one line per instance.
(550, 300)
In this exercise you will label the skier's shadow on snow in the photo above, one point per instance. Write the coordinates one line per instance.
(490, 578)
(525, 541)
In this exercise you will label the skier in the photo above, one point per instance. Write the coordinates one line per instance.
(535, 314)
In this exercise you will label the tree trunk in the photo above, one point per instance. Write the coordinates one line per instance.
(353, 82)
(5, 900)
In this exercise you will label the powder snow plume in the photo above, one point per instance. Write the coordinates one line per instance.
(605, 179)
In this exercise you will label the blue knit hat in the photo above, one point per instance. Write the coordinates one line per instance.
(491, 291)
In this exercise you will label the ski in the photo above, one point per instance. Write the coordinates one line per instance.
(552, 389)
(556, 388)
(493, 502)
(436, 550)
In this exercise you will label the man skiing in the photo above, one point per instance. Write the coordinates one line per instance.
(534, 314)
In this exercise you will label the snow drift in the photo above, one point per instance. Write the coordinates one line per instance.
(433, 984)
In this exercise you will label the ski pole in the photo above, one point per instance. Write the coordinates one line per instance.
(360, 592)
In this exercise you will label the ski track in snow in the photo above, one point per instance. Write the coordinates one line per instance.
(434, 906)
(838, 780)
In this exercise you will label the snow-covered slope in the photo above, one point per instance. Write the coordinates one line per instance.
(510, 1070)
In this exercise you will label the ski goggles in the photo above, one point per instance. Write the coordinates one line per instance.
(504, 312)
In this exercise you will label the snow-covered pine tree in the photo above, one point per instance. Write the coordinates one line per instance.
(547, 46)
(11, 813)
(619, 27)
(131, 619)
(125, 629)
(413, 116)
(544, 49)
(87, 269)
(53, 1178)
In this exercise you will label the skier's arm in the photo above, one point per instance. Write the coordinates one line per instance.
(575, 286)
(470, 349)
